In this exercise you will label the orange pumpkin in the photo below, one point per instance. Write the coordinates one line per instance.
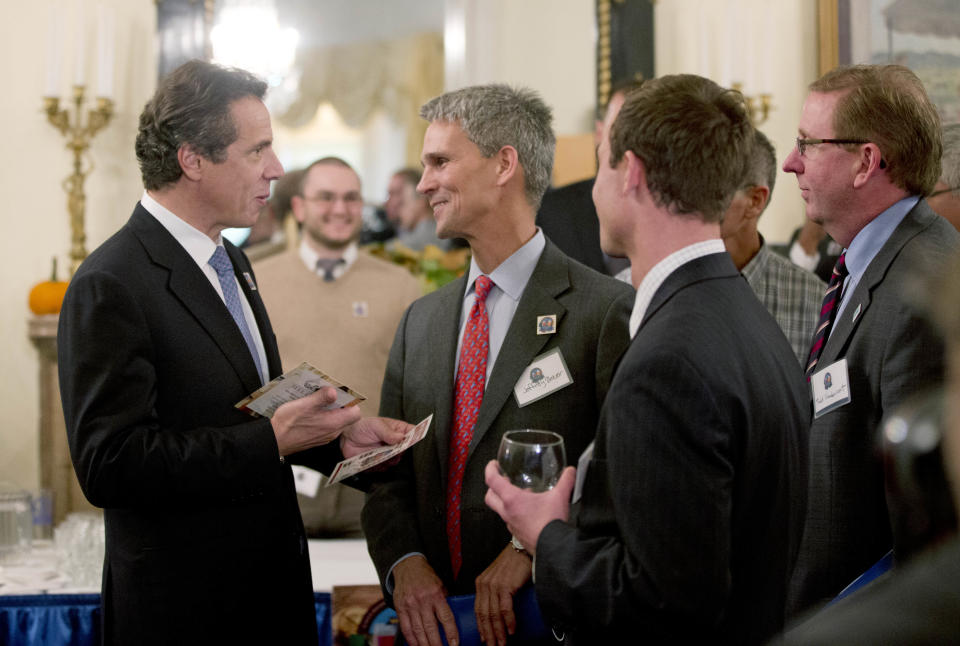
(47, 297)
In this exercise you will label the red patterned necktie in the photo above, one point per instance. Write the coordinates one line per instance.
(828, 312)
(471, 378)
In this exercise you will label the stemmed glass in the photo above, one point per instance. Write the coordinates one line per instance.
(531, 459)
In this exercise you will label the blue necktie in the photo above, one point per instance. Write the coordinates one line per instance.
(224, 268)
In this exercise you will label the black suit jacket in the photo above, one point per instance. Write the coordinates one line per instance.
(568, 218)
(892, 351)
(204, 542)
(693, 502)
(405, 511)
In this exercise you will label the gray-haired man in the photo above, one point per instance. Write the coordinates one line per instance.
(487, 157)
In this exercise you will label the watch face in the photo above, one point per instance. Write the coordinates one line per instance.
(516, 544)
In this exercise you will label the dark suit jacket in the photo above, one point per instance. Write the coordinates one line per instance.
(568, 218)
(692, 505)
(891, 352)
(917, 605)
(405, 512)
(204, 542)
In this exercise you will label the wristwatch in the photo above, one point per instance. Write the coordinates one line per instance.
(518, 546)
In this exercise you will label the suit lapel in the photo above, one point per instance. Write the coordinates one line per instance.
(550, 278)
(444, 331)
(245, 277)
(918, 219)
(188, 284)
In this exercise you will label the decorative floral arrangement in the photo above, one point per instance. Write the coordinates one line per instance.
(434, 267)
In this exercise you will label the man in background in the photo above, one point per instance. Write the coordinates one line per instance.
(868, 149)
(337, 308)
(469, 355)
(414, 218)
(567, 215)
(690, 501)
(162, 332)
(791, 294)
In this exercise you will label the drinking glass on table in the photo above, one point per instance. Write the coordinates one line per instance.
(531, 459)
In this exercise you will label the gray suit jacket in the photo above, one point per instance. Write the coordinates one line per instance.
(405, 509)
(891, 352)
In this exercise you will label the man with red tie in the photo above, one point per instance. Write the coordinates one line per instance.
(466, 353)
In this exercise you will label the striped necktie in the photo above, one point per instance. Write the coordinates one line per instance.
(468, 395)
(828, 312)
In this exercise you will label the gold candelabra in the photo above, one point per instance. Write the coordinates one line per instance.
(78, 140)
(758, 106)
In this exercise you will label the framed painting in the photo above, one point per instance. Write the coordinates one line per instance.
(923, 35)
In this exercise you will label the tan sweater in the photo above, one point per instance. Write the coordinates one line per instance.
(344, 328)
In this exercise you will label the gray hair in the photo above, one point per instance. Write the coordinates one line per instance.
(762, 165)
(496, 115)
(950, 162)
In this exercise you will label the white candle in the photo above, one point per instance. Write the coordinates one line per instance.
(55, 35)
(79, 75)
(105, 41)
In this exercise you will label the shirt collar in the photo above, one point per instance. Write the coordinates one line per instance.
(309, 256)
(513, 274)
(195, 242)
(662, 270)
(871, 238)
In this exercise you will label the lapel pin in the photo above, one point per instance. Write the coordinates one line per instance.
(250, 283)
(856, 312)
(547, 324)
(361, 309)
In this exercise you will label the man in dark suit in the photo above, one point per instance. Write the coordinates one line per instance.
(487, 156)
(689, 504)
(869, 148)
(567, 215)
(162, 331)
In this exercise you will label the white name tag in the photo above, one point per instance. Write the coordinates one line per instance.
(582, 465)
(306, 480)
(547, 374)
(831, 388)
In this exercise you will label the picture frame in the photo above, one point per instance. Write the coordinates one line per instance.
(923, 35)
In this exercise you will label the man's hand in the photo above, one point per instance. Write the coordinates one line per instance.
(495, 589)
(421, 600)
(527, 513)
(370, 433)
(305, 423)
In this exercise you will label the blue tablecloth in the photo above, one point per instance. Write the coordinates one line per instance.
(74, 619)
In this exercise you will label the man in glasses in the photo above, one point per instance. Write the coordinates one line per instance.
(868, 150)
(336, 307)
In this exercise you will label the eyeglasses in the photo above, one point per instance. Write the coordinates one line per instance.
(803, 143)
(942, 191)
(326, 197)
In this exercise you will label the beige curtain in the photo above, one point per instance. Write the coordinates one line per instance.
(397, 76)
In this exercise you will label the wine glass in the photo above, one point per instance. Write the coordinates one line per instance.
(531, 459)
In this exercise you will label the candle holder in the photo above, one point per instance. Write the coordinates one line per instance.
(758, 106)
(78, 137)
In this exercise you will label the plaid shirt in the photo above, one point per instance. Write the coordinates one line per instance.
(793, 295)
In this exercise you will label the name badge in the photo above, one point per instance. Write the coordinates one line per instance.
(831, 388)
(547, 374)
(306, 480)
(582, 465)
